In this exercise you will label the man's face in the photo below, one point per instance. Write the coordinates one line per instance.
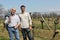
(23, 9)
(13, 11)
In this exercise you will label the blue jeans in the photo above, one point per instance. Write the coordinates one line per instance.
(12, 31)
(25, 33)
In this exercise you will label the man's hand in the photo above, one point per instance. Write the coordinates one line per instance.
(19, 27)
(15, 27)
(30, 27)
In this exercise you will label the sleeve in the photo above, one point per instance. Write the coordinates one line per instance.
(18, 20)
(30, 20)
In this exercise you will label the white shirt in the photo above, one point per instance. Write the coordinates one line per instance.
(25, 20)
(14, 20)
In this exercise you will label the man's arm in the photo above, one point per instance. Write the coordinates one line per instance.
(18, 23)
(30, 21)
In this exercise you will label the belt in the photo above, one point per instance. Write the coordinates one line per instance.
(12, 27)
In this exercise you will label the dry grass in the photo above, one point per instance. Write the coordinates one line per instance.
(39, 34)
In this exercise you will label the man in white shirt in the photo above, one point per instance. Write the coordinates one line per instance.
(26, 23)
(13, 22)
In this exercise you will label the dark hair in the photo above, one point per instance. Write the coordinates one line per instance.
(22, 6)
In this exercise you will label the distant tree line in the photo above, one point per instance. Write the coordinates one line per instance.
(45, 15)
